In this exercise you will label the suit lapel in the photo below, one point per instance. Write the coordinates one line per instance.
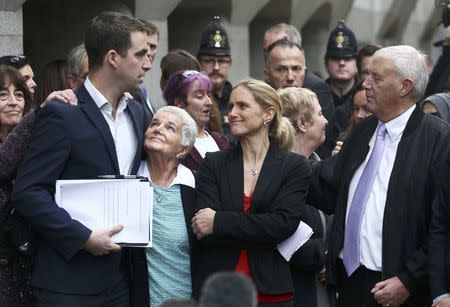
(92, 111)
(271, 166)
(139, 134)
(235, 177)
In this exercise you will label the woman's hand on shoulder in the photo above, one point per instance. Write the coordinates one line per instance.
(337, 148)
(203, 222)
(66, 96)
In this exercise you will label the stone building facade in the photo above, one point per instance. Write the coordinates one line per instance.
(48, 29)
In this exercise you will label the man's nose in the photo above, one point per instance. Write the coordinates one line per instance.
(290, 76)
(147, 63)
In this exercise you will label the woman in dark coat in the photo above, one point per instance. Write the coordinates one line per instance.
(251, 197)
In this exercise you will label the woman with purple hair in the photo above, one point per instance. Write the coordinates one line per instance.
(189, 90)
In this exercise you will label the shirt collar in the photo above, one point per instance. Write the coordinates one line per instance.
(101, 100)
(184, 175)
(396, 126)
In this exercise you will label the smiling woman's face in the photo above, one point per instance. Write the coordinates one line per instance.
(163, 136)
(12, 103)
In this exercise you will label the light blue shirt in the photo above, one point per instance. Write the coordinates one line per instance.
(168, 260)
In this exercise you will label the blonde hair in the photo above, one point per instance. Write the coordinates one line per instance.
(297, 103)
(280, 129)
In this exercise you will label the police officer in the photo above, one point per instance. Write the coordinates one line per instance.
(215, 59)
(340, 62)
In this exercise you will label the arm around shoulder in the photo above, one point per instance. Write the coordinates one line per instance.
(44, 161)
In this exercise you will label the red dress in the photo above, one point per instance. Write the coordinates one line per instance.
(244, 268)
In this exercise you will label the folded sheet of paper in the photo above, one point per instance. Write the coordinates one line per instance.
(289, 246)
(105, 203)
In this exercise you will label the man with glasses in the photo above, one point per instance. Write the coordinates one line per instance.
(22, 63)
(215, 59)
(78, 69)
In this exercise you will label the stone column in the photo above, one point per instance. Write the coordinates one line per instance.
(242, 13)
(11, 27)
(156, 11)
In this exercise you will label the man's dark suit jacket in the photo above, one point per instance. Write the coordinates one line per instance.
(69, 142)
(193, 160)
(413, 185)
(276, 210)
(439, 260)
(139, 272)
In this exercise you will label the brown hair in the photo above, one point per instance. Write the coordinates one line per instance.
(10, 75)
(54, 78)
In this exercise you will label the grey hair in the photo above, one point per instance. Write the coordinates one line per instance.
(75, 60)
(291, 32)
(189, 127)
(408, 62)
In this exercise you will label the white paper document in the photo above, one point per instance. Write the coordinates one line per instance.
(106, 203)
(289, 246)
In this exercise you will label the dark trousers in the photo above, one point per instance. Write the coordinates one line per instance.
(355, 290)
(116, 296)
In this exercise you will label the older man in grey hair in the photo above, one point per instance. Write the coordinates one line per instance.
(77, 61)
(381, 188)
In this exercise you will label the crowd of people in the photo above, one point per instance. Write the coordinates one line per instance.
(234, 170)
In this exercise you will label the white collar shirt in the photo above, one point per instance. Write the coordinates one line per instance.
(121, 127)
(372, 224)
(184, 175)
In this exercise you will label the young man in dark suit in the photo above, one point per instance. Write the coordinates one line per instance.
(74, 265)
(381, 188)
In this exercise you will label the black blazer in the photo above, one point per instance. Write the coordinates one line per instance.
(69, 142)
(276, 209)
(439, 260)
(413, 186)
(139, 285)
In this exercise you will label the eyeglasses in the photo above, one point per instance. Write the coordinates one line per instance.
(17, 59)
(212, 61)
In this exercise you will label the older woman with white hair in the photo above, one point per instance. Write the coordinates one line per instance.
(164, 270)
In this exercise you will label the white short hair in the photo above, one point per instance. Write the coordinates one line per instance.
(408, 62)
(189, 127)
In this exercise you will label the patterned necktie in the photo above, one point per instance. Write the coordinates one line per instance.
(352, 246)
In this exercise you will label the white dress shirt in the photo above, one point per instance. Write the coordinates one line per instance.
(371, 238)
(121, 127)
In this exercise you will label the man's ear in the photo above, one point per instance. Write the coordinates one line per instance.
(72, 82)
(407, 87)
(179, 103)
(112, 58)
